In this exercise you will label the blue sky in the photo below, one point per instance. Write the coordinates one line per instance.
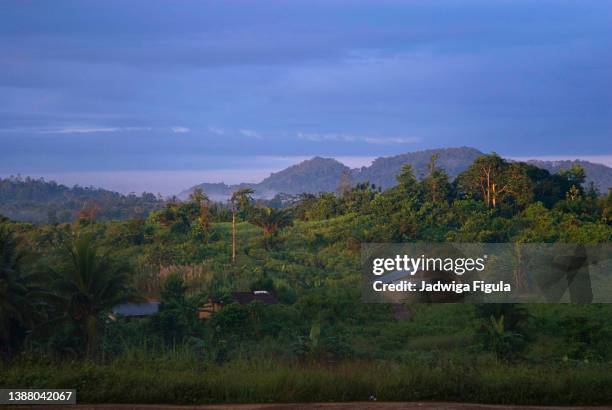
(161, 95)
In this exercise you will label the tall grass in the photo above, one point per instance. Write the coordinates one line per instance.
(179, 378)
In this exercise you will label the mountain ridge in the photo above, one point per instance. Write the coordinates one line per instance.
(320, 174)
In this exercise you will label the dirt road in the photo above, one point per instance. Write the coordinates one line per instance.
(368, 405)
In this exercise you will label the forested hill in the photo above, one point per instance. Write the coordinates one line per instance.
(599, 174)
(38, 200)
(383, 171)
(324, 174)
(312, 176)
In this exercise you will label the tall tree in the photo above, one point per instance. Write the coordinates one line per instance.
(494, 180)
(436, 184)
(408, 186)
(574, 178)
(344, 185)
(406, 179)
(198, 196)
(241, 201)
(201, 201)
(90, 284)
(177, 315)
(21, 300)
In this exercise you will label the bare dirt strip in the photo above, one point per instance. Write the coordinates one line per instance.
(367, 405)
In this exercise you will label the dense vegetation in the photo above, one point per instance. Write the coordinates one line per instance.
(322, 174)
(58, 282)
(37, 200)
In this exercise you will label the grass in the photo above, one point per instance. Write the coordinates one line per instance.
(187, 382)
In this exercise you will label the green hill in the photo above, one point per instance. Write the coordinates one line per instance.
(323, 174)
(38, 200)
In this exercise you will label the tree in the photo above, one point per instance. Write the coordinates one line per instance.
(573, 194)
(21, 300)
(496, 181)
(89, 285)
(240, 200)
(198, 196)
(406, 179)
(358, 199)
(574, 177)
(177, 317)
(88, 212)
(436, 185)
(201, 201)
(271, 220)
(310, 207)
(606, 208)
(344, 185)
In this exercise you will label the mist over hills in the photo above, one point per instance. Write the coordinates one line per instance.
(38, 200)
(599, 174)
(323, 174)
(383, 170)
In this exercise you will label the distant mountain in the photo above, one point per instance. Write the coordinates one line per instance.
(38, 200)
(382, 172)
(313, 175)
(218, 191)
(599, 174)
(324, 174)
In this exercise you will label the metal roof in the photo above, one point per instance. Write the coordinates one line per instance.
(136, 309)
(247, 297)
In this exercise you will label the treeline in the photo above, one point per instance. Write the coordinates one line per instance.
(494, 185)
(41, 201)
(59, 282)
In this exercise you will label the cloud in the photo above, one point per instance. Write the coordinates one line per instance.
(352, 138)
(227, 169)
(90, 130)
(392, 140)
(215, 130)
(250, 134)
(180, 130)
(357, 161)
(78, 130)
(596, 159)
(73, 130)
(326, 137)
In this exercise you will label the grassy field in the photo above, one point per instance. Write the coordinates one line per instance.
(257, 382)
(432, 357)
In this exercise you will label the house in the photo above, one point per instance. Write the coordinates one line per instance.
(209, 309)
(243, 298)
(263, 296)
(134, 310)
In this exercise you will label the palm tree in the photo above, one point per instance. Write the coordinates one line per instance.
(271, 220)
(198, 196)
(89, 285)
(21, 301)
(240, 200)
(202, 201)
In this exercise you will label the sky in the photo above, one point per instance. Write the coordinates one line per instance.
(161, 95)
